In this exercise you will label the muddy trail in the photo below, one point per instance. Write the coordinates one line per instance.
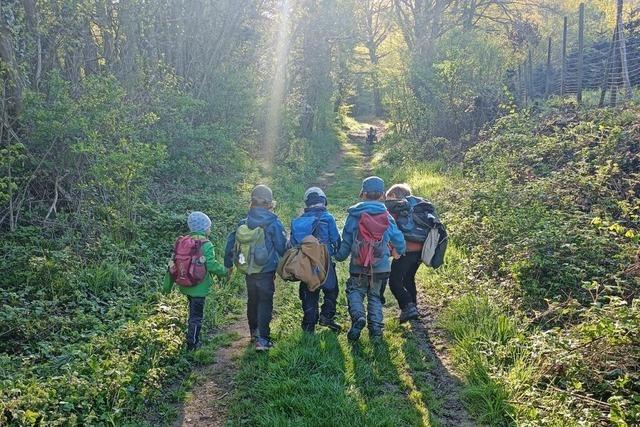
(209, 400)
(448, 386)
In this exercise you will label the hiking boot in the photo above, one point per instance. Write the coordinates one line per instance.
(330, 323)
(410, 312)
(356, 329)
(263, 344)
(254, 335)
(194, 347)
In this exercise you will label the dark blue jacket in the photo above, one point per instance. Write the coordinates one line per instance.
(393, 235)
(275, 237)
(327, 231)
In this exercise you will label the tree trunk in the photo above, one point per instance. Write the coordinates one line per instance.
(7, 54)
(33, 26)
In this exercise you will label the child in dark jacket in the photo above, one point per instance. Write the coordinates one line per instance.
(258, 260)
(327, 233)
(200, 228)
(402, 279)
(368, 218)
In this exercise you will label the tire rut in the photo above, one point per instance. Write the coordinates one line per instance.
(432, 341)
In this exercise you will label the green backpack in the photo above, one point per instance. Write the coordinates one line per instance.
(250, 251)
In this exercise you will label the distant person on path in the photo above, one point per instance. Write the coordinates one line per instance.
(372, 136)
(317, 221)
(255, 249)
(367, 235)
(192, 268)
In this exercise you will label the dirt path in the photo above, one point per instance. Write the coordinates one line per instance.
(329, 177)
(447, 385)
(209, 400)
(359, 136)
(430, 339)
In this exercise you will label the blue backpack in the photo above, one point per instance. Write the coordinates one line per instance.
(304, 226)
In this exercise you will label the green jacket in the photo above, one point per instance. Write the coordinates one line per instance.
(214, 268)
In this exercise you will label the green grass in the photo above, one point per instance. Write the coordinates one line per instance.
(322, 379)
(477, 328)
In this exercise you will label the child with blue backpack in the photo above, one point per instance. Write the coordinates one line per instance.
(368, 235)
(317, 221)
(255, 249)
(402, 279)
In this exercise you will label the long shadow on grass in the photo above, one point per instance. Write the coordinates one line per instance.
(299, 382)
(442, 391)
(382, 386)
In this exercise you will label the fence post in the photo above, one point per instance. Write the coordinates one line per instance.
(564, 57)
(519, 85)
(623, 52)
(547, 88)
(530, 72)
(580, 52)
(608, 68)
(525, 83)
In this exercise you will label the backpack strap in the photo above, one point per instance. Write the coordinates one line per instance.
(316, 224)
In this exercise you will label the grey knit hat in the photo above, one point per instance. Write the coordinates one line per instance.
(198, 222)
(316, 190)
(261, 195)
(315, 195)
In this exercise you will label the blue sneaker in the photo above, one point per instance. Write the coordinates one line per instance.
(356, 329)
(263, 344)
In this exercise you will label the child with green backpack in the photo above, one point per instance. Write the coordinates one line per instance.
(192, 268)
(255, 248)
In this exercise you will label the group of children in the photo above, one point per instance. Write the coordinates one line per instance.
(371, 237)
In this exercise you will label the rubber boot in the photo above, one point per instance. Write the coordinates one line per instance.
(410, 312)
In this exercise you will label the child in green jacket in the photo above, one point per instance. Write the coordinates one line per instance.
(200, 228)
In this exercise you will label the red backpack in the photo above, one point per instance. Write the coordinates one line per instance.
(189, 264)
(368, 242)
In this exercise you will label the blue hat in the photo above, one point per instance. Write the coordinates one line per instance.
(198, 222)
(373, 184)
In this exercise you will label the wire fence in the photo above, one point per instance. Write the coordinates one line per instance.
(605, 72)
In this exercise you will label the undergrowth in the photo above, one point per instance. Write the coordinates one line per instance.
(539, 292)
